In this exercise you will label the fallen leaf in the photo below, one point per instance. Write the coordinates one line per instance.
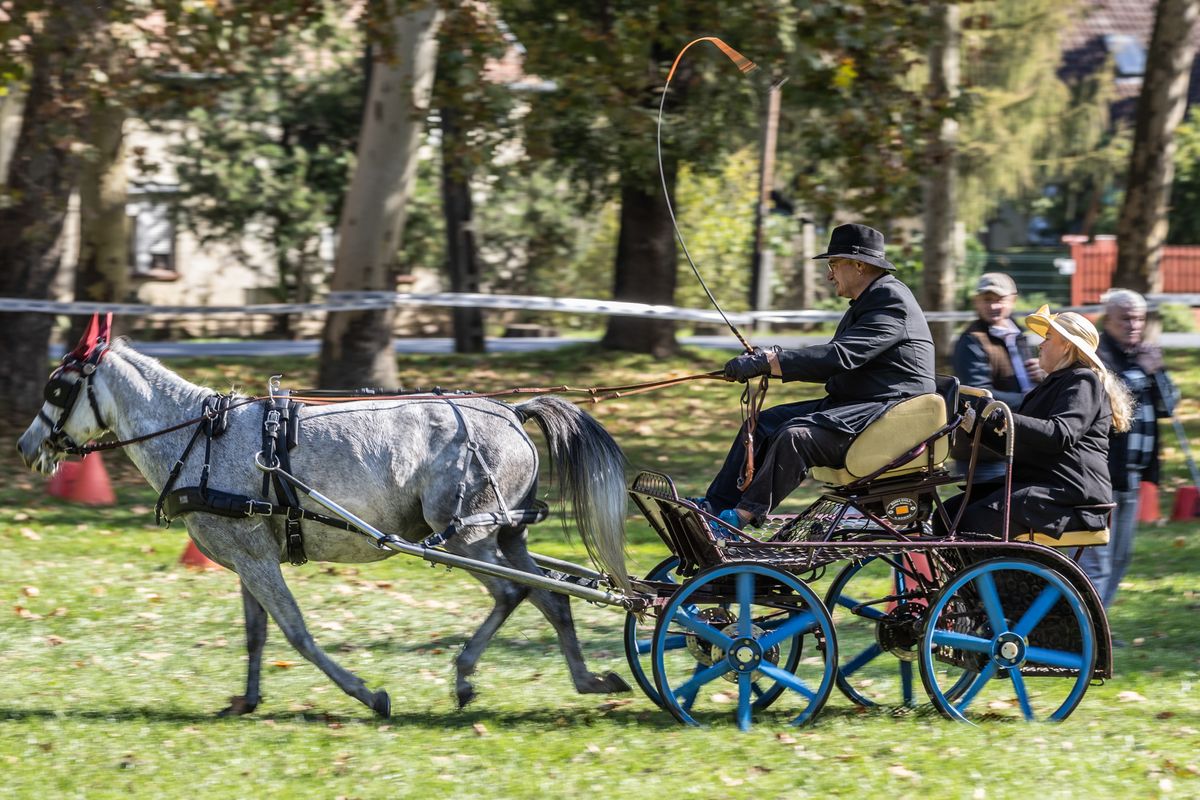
(609, 705)
(31, 534)
(1130, 697)
(479, 729)
(30, 591)
(25, 613)
(901, 771)
(283, 663)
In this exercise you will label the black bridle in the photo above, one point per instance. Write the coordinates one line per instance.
(63, 393)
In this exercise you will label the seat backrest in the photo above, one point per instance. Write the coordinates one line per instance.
(947, 387)
(903, 427)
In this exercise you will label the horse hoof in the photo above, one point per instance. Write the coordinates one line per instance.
(464, 695)
(238, 706)
(381, 704)
(615, 683)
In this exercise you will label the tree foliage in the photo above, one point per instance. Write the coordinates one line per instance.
(268, 155)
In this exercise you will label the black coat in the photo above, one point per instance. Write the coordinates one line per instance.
(1061, 454)
(882, 352)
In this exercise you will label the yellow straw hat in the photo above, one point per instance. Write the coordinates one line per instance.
(1075, 328)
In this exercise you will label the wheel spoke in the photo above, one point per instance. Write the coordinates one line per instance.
(1022, 695)
(690, 688)
(906, 682)
(962, 641)
(801, 623)
(868, 655)
(870, 612)
(1037, 612)
(745, 598)
(787, 679)
(704, 631)
(991, 602)
(1054, 658)
(743, 714)
(976, 686)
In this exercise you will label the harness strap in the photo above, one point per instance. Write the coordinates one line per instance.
(227, 504)
(214, 421)
(281, 434)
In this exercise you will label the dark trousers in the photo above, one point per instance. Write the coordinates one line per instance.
(786, 446)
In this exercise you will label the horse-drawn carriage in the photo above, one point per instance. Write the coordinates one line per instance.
(996, 626)
(727, 622)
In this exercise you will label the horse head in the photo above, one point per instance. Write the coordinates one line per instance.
(64, 425)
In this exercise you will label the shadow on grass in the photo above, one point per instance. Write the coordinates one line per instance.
(641, 716)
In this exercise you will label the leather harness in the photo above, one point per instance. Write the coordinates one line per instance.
(281, 433)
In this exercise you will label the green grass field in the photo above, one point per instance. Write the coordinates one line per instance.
(114, 659)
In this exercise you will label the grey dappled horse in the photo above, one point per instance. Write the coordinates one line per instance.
(395, 463)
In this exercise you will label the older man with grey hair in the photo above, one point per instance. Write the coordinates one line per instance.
(1132, 456)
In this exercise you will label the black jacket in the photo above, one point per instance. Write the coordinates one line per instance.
(1061, 454)
(882, 352)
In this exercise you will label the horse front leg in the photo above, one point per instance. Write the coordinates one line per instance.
(265, 581)
(256, 638)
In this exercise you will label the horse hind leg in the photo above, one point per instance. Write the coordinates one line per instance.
(265, 581)
(507, 596)
(256, 638)
(556, 608)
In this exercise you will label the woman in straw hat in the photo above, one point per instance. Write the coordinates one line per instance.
(1062, 426)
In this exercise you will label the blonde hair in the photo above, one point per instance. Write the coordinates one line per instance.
(1120, 400)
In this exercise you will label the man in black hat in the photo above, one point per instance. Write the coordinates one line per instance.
(881, 353)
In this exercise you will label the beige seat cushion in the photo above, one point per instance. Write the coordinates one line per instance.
(903, 427)
(1068, 539)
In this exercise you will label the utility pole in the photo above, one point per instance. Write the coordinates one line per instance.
(762, 262)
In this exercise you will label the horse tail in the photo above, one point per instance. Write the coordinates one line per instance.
(591, 474)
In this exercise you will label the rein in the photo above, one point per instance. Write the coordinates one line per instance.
(207, 416)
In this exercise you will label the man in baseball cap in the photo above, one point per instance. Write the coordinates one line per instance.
(993, 353)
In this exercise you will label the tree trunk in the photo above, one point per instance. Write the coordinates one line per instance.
(41, 172)
(356, 347)
(461, 264)
(645, 268)
(940, 190)
(102, 275)
(1142, 226)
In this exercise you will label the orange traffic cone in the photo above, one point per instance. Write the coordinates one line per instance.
(1187, 503)
(193, 558)
(83, 482)
(1148, 510)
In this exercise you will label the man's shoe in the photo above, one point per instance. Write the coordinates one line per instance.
(730, 517)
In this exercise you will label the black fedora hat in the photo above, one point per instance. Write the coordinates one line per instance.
(858, 242)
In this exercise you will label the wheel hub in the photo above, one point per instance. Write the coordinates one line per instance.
(1008, 650)
(899, 633)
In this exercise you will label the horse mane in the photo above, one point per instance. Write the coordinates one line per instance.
(160, 381)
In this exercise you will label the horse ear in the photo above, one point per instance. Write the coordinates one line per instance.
(104, 329)
(88, 340)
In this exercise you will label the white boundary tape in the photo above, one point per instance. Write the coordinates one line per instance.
(354, 301)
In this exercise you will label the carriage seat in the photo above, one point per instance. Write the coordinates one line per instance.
(901, 428)
(1072, 538)
(1068, 539)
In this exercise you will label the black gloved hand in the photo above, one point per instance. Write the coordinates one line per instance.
(748, 365)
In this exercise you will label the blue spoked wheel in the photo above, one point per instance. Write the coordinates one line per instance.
(739, 637)
(1025, 633)
(878, 607)
(639, 642)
